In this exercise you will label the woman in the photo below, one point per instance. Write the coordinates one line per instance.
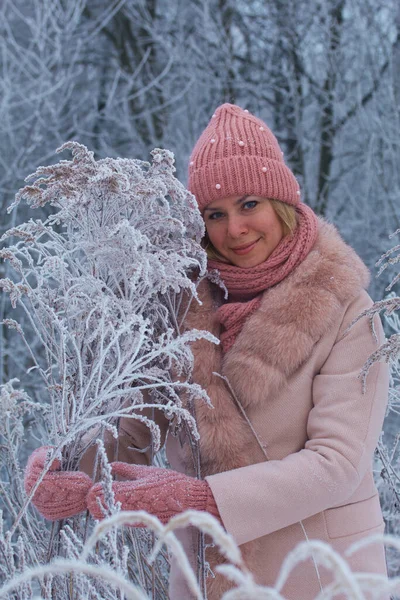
(299, 466)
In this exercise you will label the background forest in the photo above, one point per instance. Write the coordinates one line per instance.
(124, 77)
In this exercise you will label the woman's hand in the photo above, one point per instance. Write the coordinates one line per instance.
(160, 492)
(60, 494)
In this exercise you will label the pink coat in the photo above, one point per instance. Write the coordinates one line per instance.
(295, 372)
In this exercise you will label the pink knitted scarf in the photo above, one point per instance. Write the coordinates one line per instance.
(246, 284)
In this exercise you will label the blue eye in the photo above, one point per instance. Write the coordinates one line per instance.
(213, 215)
(249, 205)
(253, 202)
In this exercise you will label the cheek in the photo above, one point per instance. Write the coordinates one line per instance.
(274, 227)
(215, 235)
(278, 232)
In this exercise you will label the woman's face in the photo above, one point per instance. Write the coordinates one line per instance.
(244, 229)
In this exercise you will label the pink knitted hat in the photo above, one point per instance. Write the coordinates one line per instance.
(238, 154)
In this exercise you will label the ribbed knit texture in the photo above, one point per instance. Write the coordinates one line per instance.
(160, 492)
(237, 153)
(245, 283)
(60, 494)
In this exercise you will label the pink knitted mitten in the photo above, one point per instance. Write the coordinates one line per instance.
(160, 492)
(60, 494)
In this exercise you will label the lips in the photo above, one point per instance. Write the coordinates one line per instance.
(245, 249)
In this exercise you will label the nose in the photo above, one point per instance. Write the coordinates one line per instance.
(237, 226)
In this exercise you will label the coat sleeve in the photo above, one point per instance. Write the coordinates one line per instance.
(343, 430)
(133, 444)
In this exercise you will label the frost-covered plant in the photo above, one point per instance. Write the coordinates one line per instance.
(388, 450)
(99, 280)
(82, 564)
(100, 283)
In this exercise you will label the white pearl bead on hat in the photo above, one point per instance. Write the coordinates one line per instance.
(264, 169)
(212, 141)
(241, 143)
(218, 186)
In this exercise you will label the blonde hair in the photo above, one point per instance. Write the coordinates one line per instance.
(286, 214)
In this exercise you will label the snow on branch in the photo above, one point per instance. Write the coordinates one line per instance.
(100, 278)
